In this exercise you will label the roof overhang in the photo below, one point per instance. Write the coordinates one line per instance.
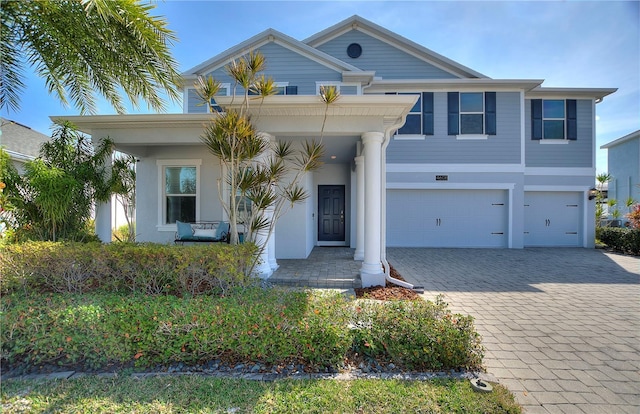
(385, 106)
(412, 85)
(570, 93)
(282, 115)
(626, 138)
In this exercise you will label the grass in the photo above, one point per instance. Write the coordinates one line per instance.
(196, 394)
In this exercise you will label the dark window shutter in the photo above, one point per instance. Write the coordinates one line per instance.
(490, 113)
(291, 90)
(536, 119)
(453, 111)
(427, 113)
(572, 121)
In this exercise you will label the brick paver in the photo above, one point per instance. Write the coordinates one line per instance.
(561, 326)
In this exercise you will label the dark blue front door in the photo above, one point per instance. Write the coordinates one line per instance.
(331, 213)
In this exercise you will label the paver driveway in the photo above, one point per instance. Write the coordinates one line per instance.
(561, 326)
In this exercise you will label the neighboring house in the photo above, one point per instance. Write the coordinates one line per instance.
(421, 151)
(623, 158)
(20, 142)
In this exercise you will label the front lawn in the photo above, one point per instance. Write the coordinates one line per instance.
(196, 394)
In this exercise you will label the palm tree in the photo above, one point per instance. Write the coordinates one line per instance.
(85, 46)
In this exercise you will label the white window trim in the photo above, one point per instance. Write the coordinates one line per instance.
(282, 85)
(564, 139)
(338, 85)
(409, 137)
(472, 137)
(223, 86)
(460, 113)
(553, 141)
(161, 164)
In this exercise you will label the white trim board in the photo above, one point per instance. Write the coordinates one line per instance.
(461, 168)
(450, 186)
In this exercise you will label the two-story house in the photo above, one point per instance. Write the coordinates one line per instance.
(420, 150)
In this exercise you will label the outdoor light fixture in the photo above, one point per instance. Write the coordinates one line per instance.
(593, 193)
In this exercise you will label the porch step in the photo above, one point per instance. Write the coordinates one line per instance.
(322, 283)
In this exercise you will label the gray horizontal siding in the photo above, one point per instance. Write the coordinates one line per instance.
(387, 61)
(284, 65)
(502, 148)
(578, 153)
(194, 103)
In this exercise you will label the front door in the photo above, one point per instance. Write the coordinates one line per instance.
(331, 213)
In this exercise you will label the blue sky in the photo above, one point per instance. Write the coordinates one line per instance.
(567, 43)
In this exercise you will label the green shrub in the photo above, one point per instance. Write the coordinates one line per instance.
(418, 335)
(94, 329)
(123, 267)
(250, 324)
(620, 239)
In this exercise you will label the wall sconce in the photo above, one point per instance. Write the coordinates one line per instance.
(593, 193)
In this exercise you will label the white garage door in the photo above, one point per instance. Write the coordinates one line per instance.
(552, 218)
(447, 218)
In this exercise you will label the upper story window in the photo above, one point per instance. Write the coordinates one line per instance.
(471, 113)
(553, 119)
(225, 90)
(419, 121)
(282, 88)
(179, 192)
(344, 88)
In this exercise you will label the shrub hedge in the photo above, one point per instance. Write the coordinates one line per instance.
(122, 267)
(621, 239)
(95, 304)
(270, 326)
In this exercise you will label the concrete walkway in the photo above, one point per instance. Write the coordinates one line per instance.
(325, 268)
(561, 327)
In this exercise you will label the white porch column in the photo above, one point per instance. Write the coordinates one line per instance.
(103, 221)
(263, 269)
(359, 254)
(371, 270)
(271, 245)
(104, 218)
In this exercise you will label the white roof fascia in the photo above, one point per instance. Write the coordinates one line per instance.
(269, 35)
(294, 105)
(89, 123)
(362, 76)
(19, 156)
(358, 23)
(312, 105)
(626, 138)
(570, 93)
(412, 85)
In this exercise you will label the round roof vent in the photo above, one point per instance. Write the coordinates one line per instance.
(354, 50)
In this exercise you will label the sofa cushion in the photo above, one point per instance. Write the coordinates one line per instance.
(205, 233)
(222, 230)
(184, 230)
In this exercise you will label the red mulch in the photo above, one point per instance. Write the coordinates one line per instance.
(389, 291)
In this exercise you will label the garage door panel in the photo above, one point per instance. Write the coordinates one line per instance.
(447, 218)
(552, 219)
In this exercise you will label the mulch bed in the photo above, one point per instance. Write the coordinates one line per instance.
(389, 291)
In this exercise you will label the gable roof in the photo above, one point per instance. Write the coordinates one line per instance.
(261, 39)
(20, 140)
(626, 138)
(356, 22)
